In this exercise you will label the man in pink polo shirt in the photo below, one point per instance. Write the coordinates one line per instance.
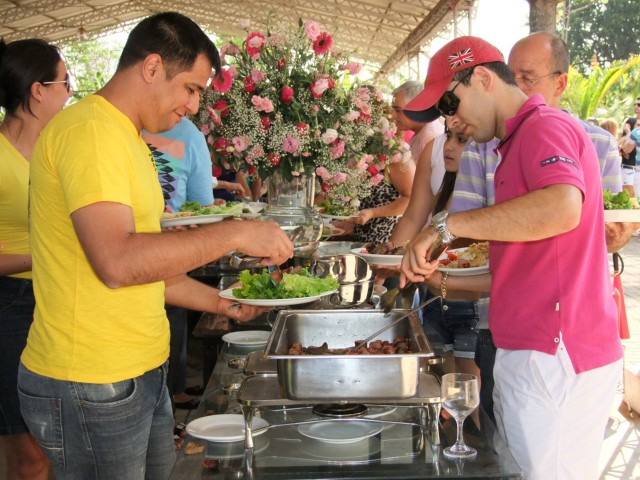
(553, 318)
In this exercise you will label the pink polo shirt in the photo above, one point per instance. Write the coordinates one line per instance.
(559, 286)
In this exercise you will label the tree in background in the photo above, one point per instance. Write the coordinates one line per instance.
(91, 63)
(604, 30)
(606, 92)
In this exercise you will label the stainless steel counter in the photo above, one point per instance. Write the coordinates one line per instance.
(404, 447)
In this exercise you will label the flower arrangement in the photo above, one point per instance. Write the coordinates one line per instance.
(286, 104)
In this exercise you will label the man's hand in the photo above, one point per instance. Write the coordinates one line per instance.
(415, 266)
(239, 312)
(266, 240)
(617, 234)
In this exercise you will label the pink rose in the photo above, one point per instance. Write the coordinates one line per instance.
(337, 150)
(253, 44)
(213, 115)
(340, 177)
(257, 76)
(319, 86)
(240, 143)
(377, 179)
(353, 67)
(323, 173)
(287, 94)
(290, 144)
(312, 29)
(262, 104)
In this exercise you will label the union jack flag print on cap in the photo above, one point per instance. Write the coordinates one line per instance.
(460, 58)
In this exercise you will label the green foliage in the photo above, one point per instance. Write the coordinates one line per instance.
(605, 92)
(607, 29)
(91, 63)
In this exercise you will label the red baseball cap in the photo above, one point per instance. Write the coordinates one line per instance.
(459, 54)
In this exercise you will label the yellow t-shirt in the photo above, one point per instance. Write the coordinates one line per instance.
(82, 330)
(14, 192)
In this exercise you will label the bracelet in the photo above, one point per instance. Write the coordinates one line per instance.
(443, 285)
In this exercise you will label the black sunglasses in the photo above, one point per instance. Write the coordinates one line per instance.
(449, 101)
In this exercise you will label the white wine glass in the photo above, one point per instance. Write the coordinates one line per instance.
(459, 397)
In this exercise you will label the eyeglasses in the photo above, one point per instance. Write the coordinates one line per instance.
(66, 82)
(637, 104)
(530, 82)
(396, 108)
(449, 101)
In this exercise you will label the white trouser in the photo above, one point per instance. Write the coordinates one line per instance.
(553, 420)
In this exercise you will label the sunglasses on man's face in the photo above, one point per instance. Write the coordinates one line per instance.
(449, 101)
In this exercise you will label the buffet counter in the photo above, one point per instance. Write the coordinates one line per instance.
(390, 440)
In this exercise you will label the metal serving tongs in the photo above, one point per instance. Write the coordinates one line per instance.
(388, 300)
(396, 321)
(240, 260)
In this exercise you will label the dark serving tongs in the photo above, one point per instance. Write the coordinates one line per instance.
(406, 293)
(396, 321)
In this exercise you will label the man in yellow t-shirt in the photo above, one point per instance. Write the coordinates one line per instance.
(92, 381)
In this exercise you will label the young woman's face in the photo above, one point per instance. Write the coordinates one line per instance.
(453, 147)
(57, 92)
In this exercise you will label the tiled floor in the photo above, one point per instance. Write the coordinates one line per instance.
(620, 456)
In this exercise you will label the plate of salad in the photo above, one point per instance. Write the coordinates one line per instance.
(261, 289)
(192, 213)
(620, 207)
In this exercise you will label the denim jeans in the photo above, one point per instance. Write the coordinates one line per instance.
(485, 359)
(116, 431)
(16, 313)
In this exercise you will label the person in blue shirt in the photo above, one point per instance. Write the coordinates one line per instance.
(184, 170)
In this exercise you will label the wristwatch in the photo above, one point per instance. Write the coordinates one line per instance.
(439, 222)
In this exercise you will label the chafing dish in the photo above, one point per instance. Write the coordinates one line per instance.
(320, 377)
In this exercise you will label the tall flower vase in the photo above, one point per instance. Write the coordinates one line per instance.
(290, 204)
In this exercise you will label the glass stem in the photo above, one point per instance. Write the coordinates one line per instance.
(459, 440)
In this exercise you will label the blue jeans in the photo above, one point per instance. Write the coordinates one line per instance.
(485, 358)
(453, 327)
(116, 431)
(16, 313)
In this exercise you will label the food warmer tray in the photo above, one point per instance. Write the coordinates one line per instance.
(264, 391)
(352, 377)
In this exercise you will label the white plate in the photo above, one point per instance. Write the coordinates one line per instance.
(224, 428)
(622, 215)
(337, 217)
(462, 272)
(193, 220)
(247, 337)
(379, 411)
(340, 432)
(378, 259)
(272, 302)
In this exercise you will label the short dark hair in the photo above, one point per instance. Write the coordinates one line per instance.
(23, 63)
(499, 68)
(173, 36)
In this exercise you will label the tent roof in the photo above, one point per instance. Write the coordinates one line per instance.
(382, 33)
